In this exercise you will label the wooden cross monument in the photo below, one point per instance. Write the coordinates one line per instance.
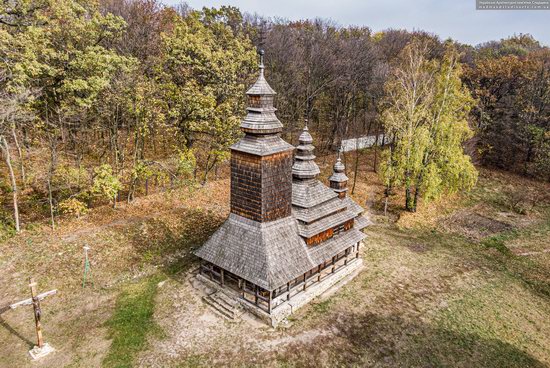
(41, 349)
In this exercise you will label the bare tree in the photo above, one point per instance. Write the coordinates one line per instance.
(11, 111)
(7, 157)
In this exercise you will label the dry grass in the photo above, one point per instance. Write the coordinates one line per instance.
(438, 288)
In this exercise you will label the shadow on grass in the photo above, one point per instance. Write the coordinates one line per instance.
(371, 340)
(14, 332)
(157, 242)
(171, 245)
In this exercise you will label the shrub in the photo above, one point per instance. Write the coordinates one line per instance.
(106, 185)
(73, 206)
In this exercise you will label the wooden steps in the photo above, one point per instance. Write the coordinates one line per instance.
(223, 305)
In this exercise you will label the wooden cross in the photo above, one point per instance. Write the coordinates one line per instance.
(34, 300)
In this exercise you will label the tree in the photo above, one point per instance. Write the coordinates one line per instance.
(445, 168)
(409, 95)
(425, 115)
(57, 47)
(513, 113)
(206, 60)
(13, 111)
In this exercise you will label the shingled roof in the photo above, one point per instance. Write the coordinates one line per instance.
(304, 165)
(338, 174)
(261, 145)
(267, 254)
(261, 116)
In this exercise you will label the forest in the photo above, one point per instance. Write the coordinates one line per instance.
(105, 101)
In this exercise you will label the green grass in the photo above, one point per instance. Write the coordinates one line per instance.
(498, 241)
(131, 322)
(193, 361)
(322, 307)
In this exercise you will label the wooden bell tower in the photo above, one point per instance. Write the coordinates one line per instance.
(261, 162)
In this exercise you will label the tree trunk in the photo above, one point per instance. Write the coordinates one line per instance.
(50, 201)
(208, 168)
(357, 157)
(132, 190)
(375, 163)
(21, 159)
(408, 194)
(136, 158)
(53, 163)
(416, 198)
(7, 157)
(408, 198)
(528, 159)
(355, 169)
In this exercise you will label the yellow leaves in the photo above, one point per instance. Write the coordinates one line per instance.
(106, 184)
(73, 206)
(426, 116)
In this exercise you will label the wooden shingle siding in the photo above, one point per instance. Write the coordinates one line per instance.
(319, 238)
(329, 233)
(277, 186)
(261, 186)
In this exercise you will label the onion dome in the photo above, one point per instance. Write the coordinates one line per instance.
(304, 165)
(338, 180)
(261, 118)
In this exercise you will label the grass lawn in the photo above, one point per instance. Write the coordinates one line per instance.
(463, 283)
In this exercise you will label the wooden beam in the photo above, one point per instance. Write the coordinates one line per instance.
(347, 254)
(29, 301)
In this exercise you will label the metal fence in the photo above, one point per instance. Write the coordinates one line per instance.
(361, 142)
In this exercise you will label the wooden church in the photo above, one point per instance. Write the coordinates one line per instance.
(289, 237)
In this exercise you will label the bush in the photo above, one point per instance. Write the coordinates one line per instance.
(73, 206)
(187, 163)
(106, 185)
